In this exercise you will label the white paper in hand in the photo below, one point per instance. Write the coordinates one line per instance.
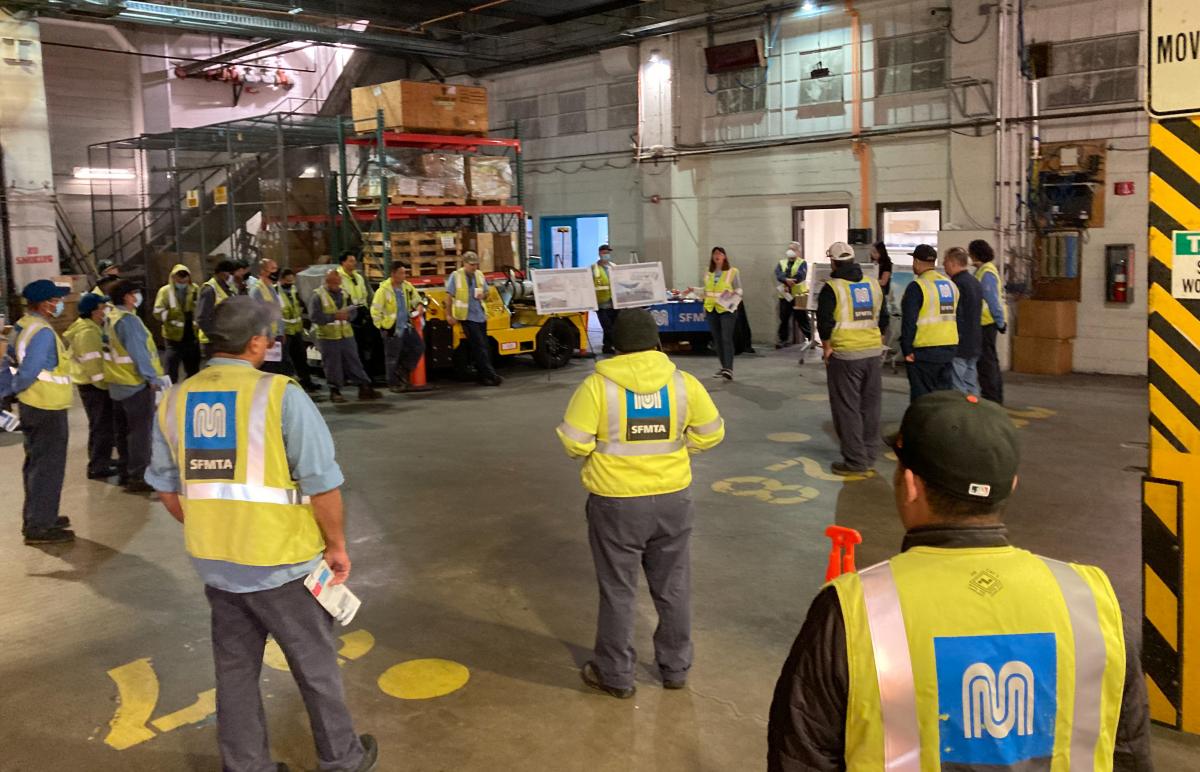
(337, 599)
(9, 421)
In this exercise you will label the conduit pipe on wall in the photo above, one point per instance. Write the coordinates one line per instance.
(862, 151)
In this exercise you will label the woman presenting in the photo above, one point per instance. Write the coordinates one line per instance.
(722, 296)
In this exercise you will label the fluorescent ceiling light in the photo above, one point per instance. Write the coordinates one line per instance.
(295, 9)
(808, 6)
(90, 173)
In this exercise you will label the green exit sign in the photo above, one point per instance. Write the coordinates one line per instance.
(1187, 243)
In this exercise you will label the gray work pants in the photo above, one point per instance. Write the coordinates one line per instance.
(651, 533)
(721, 326)
(855, 399)
(46, 437)
(340, 360)
(138, 433)
(403, 351)
(304, 631)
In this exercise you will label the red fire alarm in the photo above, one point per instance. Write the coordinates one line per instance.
(1123, 188)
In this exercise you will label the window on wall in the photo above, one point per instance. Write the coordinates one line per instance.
(821, 88)
(744, 91)
(903, 226)
(910, 63)
(1094, 71)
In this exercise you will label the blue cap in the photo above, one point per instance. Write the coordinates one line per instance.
(90, 302)
(42, 290)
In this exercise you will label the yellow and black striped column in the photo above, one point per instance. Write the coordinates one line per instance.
(1171, 490)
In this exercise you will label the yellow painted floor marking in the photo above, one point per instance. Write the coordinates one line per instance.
(813, 397)
(204, 706)
(1020, 423)
(1031, 412)
(766, 489)
(354, 645)
(890, 456)
(814, 470)
(273, 657)
(423, 679)
(789, 437)
(137, 694)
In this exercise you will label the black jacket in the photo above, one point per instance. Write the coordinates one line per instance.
(807, 728)
(969, 315)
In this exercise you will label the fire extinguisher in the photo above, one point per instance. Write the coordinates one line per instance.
(1120, 284)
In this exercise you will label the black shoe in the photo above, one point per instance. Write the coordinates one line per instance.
(397, 389)
(336, 398)
(49, 536)
(138, 486)
(674, 683)
(727, 375)
(103, 474)
(371, 755)
(844, 469)
(62, 522)
(281, 767)
(608, 350)
(592, 679)
(366, 393)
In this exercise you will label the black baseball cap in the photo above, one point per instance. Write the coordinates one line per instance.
(960, 444)
(604, 248)
(924, 252)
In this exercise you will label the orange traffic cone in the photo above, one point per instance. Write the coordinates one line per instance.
(841, 554)
(417, 379)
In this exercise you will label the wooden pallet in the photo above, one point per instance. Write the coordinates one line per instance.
(488, 201)
(418, 266)
(372, 202)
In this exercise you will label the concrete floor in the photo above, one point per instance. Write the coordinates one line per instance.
(480, 557)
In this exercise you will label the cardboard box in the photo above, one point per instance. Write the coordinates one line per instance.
(489, 178)
(421, 107)
(1042, 356)
(304, 247)
(496, 250)
(1055, 319)
(307, 196)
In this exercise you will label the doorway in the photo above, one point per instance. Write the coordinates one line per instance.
(903, 226)
(816, 227)
(572, 241)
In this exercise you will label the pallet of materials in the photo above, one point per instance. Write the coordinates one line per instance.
(428, 253)
(417, 179)
(489, 180)
(436, 108)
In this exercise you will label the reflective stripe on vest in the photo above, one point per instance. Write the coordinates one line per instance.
(293, 322)
(119, 368)
(714, 288)
(614, 445)
(338, 329)
(52, 389)
(800, 287)
(986, 317)
(856, 323)
(354, 286)
(220, 294)
(602, 283)
(936, 321)
(461, 303)
(894, 666)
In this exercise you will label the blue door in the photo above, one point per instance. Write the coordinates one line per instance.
(560, 242)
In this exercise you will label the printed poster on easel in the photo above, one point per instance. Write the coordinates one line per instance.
(635, 285)
(563, 290)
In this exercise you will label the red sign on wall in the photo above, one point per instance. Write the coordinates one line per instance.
(34, 255)
(1123, 188)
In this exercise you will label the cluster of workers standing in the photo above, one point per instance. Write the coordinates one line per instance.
(110, 355)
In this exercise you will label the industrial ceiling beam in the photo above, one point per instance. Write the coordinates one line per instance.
(229, 56)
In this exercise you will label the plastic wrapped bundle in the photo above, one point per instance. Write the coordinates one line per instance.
(490, 178)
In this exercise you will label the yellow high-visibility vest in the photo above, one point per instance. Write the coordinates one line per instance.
(354, 286)
(119, 368)
(936, 322)
(86, 341)
(267, 294)
(52, 389)
(337, 329)
(602, 282)
(383, 305)
(856, 315)
(221, 294)
(981, 657)
(224, 426)
(460, 305)
(171, 313)
(293, 321)
(800, 287)
(985, 269)
(716, 285)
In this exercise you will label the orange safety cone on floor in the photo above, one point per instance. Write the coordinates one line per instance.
(417, 379)
(841, 554)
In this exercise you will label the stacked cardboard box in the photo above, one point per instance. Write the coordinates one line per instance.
(496, 251)
(489, 179)
(1044, 343)
(413, 106)
(417, 177)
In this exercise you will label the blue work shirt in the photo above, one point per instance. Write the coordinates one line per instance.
(991, 296)
(310, 455)
(475, 310)
(40, 354)
(132, 333)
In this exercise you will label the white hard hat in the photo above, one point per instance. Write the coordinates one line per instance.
(839, 250)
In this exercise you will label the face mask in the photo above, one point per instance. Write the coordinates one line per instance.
(137, 299)
(273, 276)
(58, 308)
(182, 286)
(604, 255)
(287, 287)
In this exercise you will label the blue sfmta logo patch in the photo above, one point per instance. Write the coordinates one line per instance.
(211, 420)
(647, 416)
(861, 302)
(997, 697)
(945, 292)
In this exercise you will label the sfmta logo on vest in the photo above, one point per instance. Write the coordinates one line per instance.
(210, 435)
(997, 698)
(647, 416)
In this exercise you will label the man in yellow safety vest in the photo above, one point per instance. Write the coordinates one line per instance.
(395, 305)
(212, 293)
(848, 320)
(332, 312)
(366, 336)
(962, 652)
(928, 326)
(42, 385)
(175, 308)
(293, 328)
(634, 423)
(467, 289)
(89, 349)
(602, 279)
(791, 280)
(993, 317)
(245, 462)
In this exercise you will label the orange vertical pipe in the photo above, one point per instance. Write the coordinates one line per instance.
(861, 152)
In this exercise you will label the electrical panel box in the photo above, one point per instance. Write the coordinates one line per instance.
(1068, 190)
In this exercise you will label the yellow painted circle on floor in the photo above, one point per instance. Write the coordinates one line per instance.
(890, 456)
(789, 437)
(423, 679)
